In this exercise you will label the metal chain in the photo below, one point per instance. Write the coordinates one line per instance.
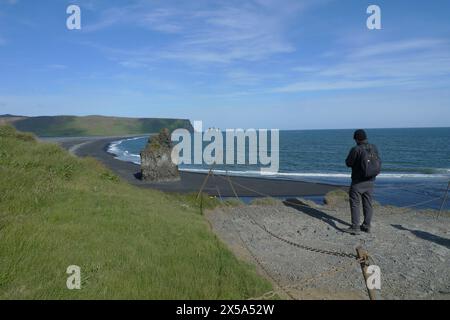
(308, 248)
(301, 246)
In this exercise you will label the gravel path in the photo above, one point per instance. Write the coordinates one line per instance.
(411, 248)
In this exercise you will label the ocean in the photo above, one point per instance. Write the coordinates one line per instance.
(416, 162)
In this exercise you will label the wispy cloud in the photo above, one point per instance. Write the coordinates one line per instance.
(224, 32)
(419, 62)
(405, 46)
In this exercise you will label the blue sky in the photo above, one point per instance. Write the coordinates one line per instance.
(288, 64)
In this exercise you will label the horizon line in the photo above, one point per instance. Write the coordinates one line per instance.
(174, 118)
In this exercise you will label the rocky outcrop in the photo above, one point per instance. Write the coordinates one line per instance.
(156, 162)
(337, 198)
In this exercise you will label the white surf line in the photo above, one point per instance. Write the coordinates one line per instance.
(73, 149)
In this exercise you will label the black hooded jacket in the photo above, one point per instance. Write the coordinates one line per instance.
(354, 161)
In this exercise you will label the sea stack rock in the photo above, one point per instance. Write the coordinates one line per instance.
(156, 162)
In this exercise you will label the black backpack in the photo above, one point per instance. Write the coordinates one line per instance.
(370, 162)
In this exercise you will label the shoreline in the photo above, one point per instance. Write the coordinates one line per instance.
(246, 187)
(97, 147)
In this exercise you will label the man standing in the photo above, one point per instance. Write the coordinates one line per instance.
(366, 165)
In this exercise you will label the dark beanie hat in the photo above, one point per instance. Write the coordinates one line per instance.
(360, 135)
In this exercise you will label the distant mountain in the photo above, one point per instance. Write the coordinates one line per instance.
(8, 116)
(72, 126)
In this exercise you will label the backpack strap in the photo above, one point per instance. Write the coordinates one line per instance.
(369, 148)
(372, 151)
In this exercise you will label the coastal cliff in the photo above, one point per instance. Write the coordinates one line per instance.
(72, 126)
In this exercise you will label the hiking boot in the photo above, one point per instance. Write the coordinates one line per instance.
(365, 229)
(352, 230)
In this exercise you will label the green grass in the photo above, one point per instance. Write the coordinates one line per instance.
(57, 210)
(71, 126)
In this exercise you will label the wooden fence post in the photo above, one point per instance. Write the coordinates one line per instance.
(363, 257)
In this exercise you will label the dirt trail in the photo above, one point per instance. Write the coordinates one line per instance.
(412, 249)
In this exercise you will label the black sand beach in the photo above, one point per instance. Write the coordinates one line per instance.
(192, 182)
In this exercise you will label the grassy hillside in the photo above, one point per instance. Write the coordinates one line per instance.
(70, 126)
(57, 210)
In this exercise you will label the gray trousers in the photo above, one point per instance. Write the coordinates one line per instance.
(361, 191)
